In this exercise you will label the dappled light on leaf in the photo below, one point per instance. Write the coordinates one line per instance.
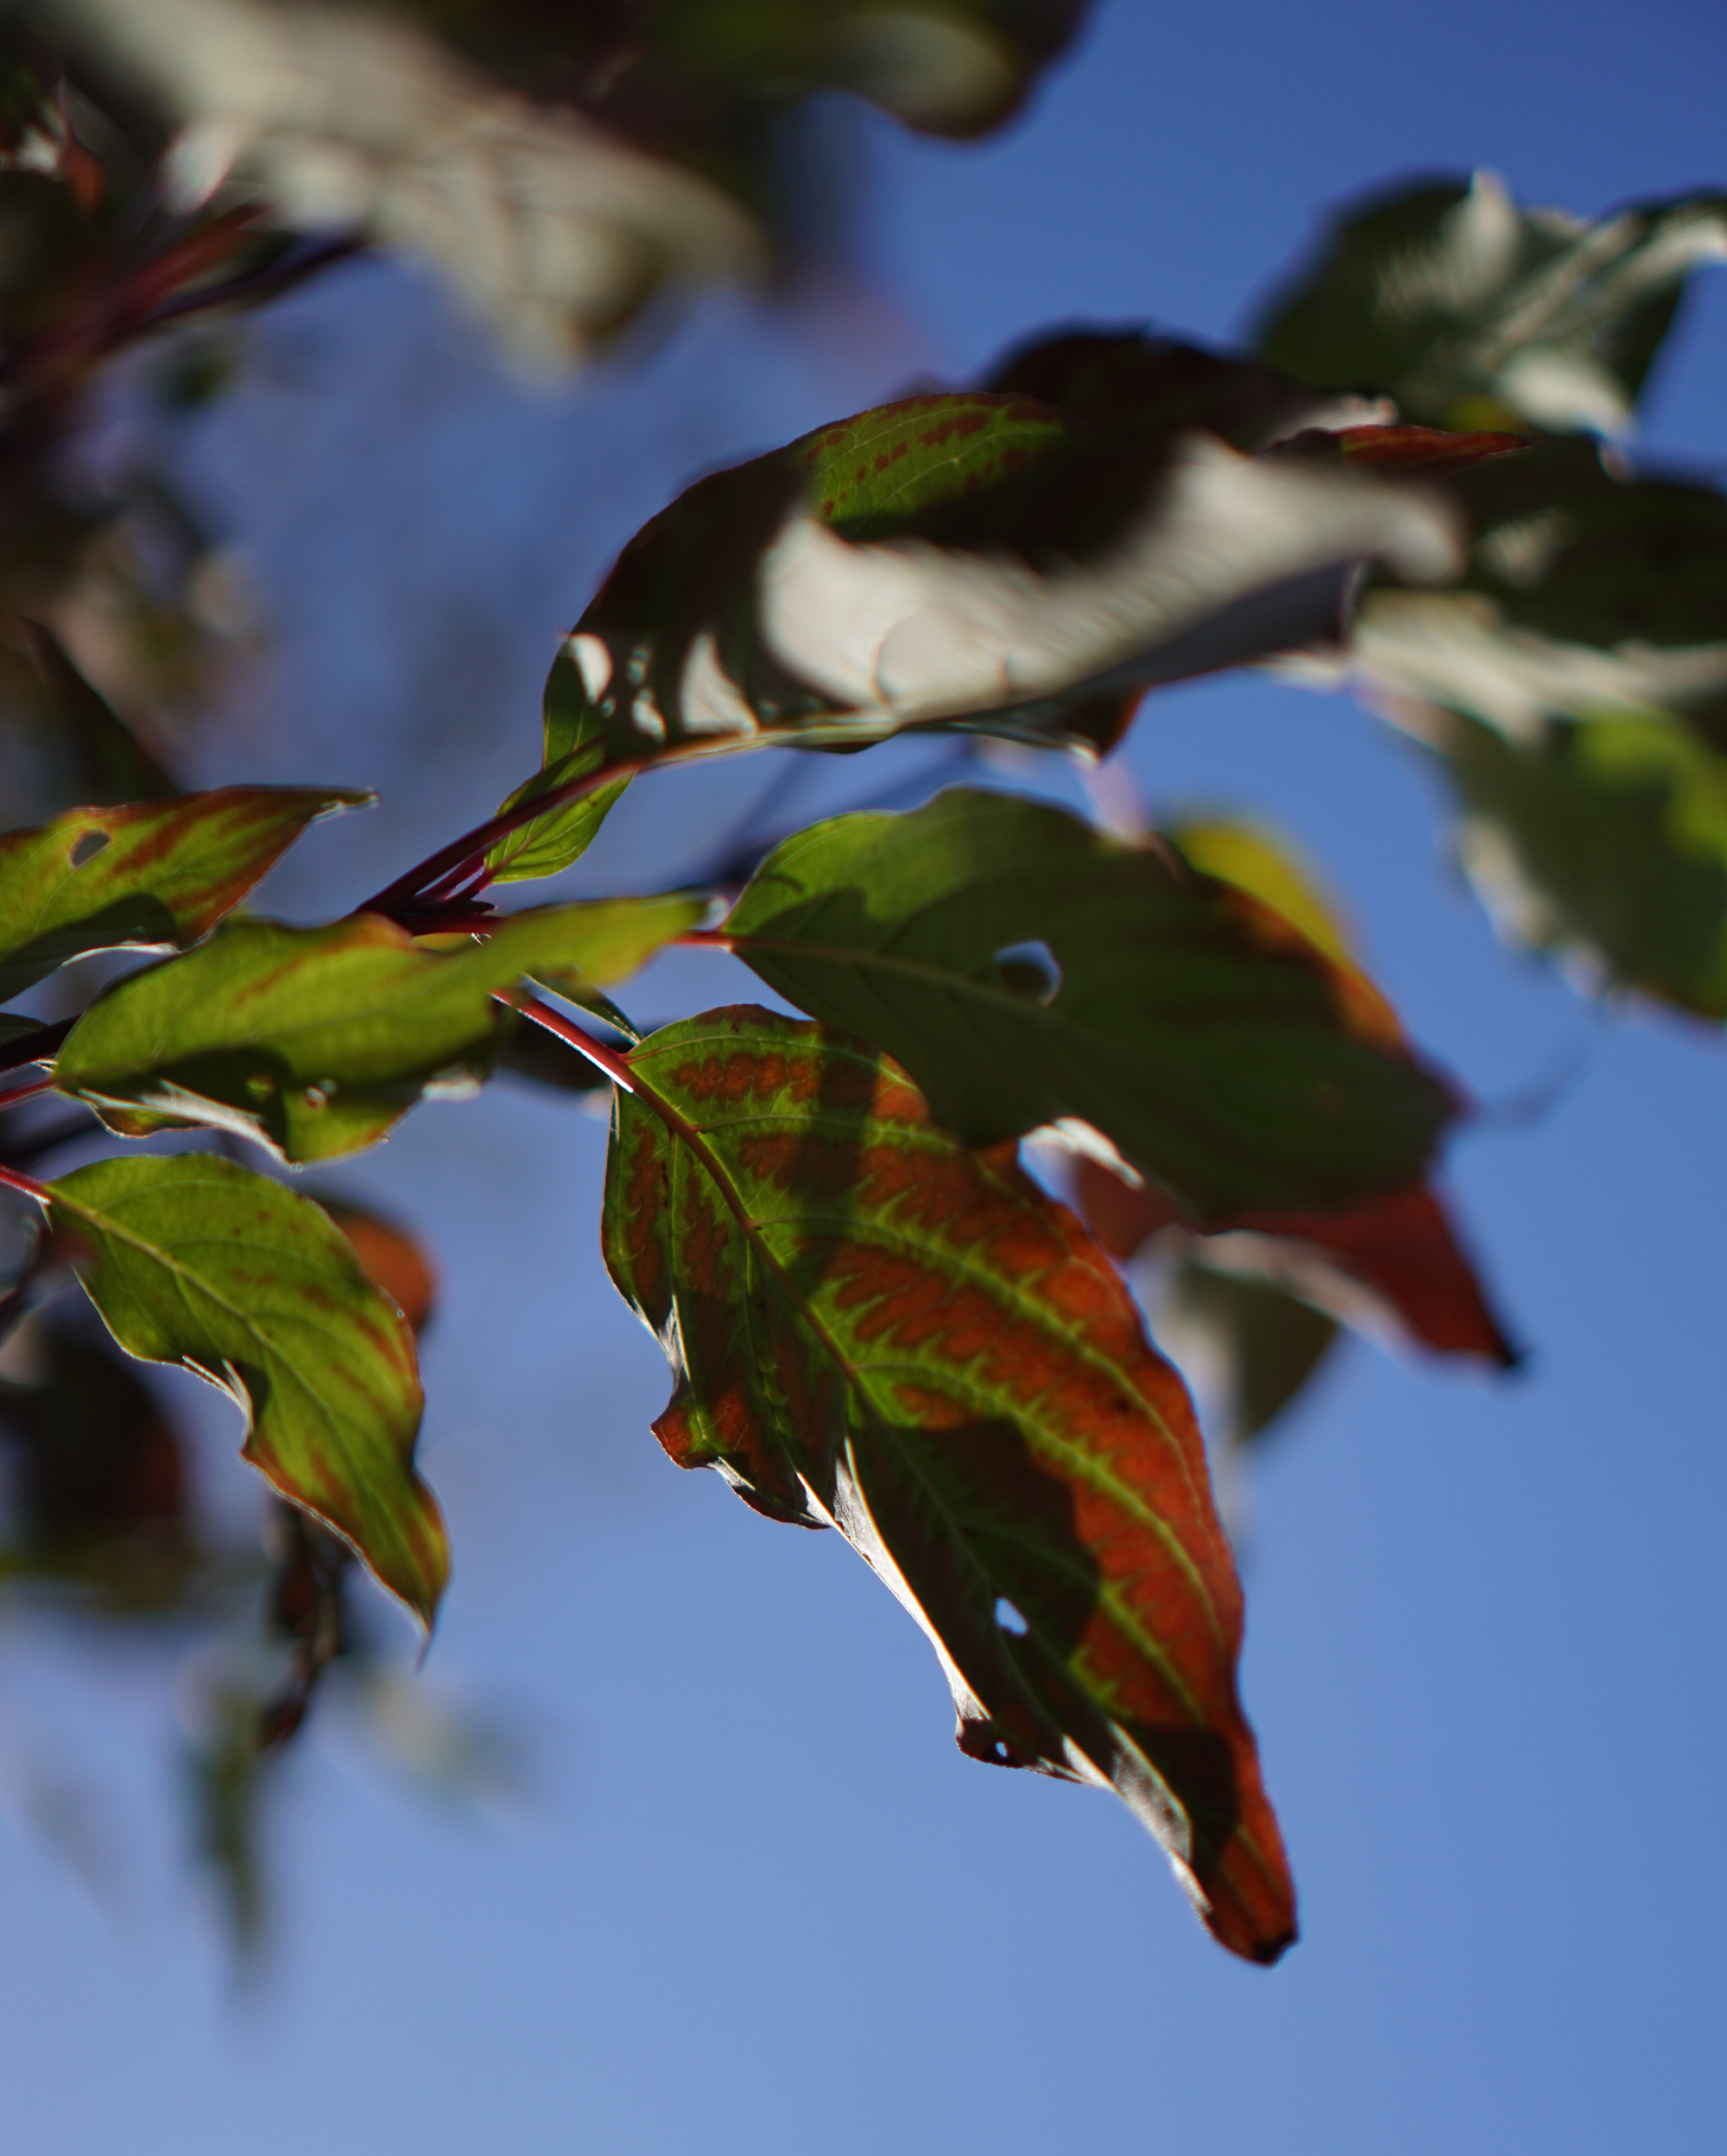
(873, 1327)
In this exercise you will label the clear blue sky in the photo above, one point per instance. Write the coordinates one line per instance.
(764, 1905)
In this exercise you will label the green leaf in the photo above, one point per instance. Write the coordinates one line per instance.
(194, 1262)
(1026, 969)
(974, 561)
(873, 1327)
(1472, 311)
(154, 875)
(1602, 840)
(314, 1041)
(574, 747)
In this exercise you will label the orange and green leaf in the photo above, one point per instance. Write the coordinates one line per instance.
(875, 1328)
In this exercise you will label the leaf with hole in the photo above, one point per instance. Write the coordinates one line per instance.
(153, 876)
(1026, 969)
(314, 1041)
(194, 1262)
(874, 1327)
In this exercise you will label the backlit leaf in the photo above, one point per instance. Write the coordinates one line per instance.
(194, 1262)
(873, 1327)
(1472, 311)
(153, 876)
(314, 1041)
(390, 1259)
(1602, 840)
(979, 561)
(1026, 969)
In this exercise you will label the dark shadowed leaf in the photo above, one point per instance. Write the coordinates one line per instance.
(875, 1328)
(1129, 381)
(1248, 1349)
(1026, 969)
(111, 762)
(314, 1041)
(154, 875)
(980, 561)
(192, 1261)
(1587, 590)
(99, 1488)
(1472, 311)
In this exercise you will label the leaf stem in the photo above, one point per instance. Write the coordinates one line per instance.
(607, 1059)
(25, 1092)
(10, 1180)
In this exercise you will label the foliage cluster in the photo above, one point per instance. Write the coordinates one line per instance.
(877, 1319)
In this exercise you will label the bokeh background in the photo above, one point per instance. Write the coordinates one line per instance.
(733, 1889)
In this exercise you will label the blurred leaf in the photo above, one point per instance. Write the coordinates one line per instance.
(100, 1488)
(194, 1262)
(390, 1259)
(955, 67)
(1223, 1053)
(155, 875)
(1246, 1348)
(226, 1775)
(348, 121)
(1392, 1264)
(314, 1041)
(872, 1326)
(1472, 311)
(977, 561)
(1603, 840)
(115, 765)
(1586, 590)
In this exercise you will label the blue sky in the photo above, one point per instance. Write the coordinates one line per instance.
(760, 1902)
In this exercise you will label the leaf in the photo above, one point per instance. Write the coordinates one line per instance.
(390, 1259)
(976, 561)
(1222, 1052)
(556, 230)
(872, 1326)
(1129, 381)
(1248, 1349)
(1472, 311)
(155, 875)
(574, 747)
(1587, 589)
(1391, 1265)
(314, 1041)
(1602, 840)
(194, 1262)
(114, 766)
(950, 67)
(101, 1485)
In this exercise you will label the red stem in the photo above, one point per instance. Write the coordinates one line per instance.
(26, 1092)
(606, 1060)
(11, 1180)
